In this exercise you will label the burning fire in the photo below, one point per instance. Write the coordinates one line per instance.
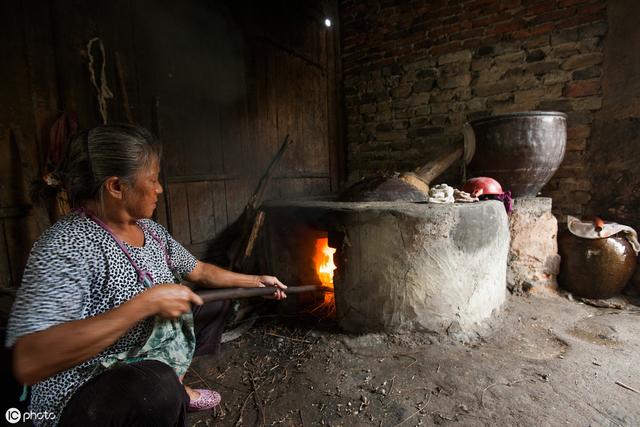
(323, 261)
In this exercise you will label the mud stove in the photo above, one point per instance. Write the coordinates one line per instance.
(396, 266)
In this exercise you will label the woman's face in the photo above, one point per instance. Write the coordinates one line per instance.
(142, 198)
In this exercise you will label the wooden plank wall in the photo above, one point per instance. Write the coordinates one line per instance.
(229, 79)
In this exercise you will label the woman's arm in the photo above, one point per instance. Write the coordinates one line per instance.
(211, 276)
(45, 353)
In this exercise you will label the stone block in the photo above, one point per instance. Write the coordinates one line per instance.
(592, 44)
(462, 93)
(393, 135)
(518, 56)
(556, 76)
(442, 95)
(537, 68)
(425, 131)
(440, 119)
(582, 88)
(579, 117)
(587, 73)
(569, 185)
(489, 76)
(540, 41)
(400, 124)
(534, 95)
(524, 81)
(565, 50)
(581, 197)
(460, 56)
(408, 78)
(535, 55)
(578, 131)
(423, 85)
(562, 105)
(564, 36)
(422, 111)
(439, 108)
(510, 73)
(481, 64)
(384, 115)
(418, 99)
(484, 51)
(404, 114)
(368, 108)
(418, 122)
(590, 103)
(401, 91)
(510, 107)
(384, 127)
(597, 29)
(427, 73)
(493, 89)
(453, 69)
(582, 60)
(576, 144)
(420, 64)
(451, 82)
(476, 104)
(533, 250)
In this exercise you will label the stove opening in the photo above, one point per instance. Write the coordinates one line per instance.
(325, 267)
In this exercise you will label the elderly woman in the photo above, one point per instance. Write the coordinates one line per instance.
(101, 326)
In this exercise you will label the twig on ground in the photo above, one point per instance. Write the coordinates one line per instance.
(301, 419)
(414, 414)
(239, 420)
(289, 338)
(222, 373)
(256, 399)
(495, 384)
(415, 359)
(205, 382)
(623, 385)
(391, 385)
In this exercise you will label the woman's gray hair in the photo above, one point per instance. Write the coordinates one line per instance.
(120, 150)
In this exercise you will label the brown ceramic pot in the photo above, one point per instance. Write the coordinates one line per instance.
(595, 268)
(520, 150)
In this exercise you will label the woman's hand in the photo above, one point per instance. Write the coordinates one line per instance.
(264, 281)
(42, 354)
(169, 300)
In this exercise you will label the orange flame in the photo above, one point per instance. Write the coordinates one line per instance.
(323, 260)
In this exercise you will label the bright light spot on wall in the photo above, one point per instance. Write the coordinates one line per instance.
(327, 22)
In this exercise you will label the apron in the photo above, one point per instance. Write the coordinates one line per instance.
(172, 341)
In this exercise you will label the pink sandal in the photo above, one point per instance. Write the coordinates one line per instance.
(208, 399)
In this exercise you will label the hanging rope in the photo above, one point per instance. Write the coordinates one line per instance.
(102, 90)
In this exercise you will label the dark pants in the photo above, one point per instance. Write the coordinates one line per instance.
(146, 393)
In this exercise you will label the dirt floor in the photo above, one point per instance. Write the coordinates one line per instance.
(545, 361)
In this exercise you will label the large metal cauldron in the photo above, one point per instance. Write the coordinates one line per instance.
(521, 150)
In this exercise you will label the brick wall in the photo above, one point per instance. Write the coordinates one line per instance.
(416, 71)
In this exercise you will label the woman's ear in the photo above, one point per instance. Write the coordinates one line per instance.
(113, 187)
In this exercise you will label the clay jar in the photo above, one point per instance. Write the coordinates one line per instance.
(595, 268)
